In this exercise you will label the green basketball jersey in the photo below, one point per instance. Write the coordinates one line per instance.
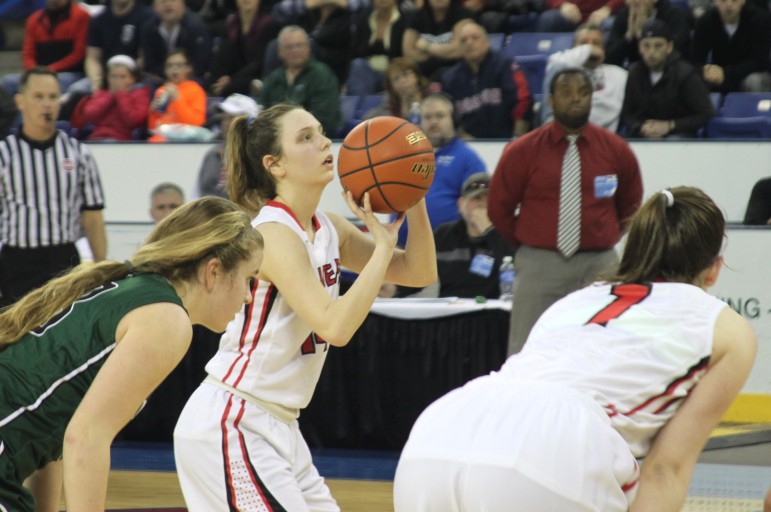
(45, 374)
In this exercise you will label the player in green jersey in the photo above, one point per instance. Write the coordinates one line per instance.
(79, 355)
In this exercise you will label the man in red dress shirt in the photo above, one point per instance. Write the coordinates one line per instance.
(524, 202)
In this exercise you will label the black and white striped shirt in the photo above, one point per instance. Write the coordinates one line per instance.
(44, 186)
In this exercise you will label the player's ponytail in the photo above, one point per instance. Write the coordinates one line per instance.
(195, 232)
(249, 140)
(675, 235)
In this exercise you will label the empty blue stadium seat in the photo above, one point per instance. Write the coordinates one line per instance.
(349, 110)
(496, 40)
(534, 67)
(746, 104)
(743, 115)
(369, 102)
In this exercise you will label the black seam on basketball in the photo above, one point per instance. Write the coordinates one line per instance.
(366, 127)
(399, 183)
(371, 165)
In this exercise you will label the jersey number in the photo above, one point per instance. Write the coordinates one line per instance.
(309, 345)
(627, 295)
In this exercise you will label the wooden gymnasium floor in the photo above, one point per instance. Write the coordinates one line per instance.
(733, 475)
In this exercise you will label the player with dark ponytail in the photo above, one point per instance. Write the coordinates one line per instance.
(643, 364)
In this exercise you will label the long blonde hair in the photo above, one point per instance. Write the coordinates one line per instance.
(206, 228)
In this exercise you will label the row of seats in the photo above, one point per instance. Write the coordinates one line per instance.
(742, 115)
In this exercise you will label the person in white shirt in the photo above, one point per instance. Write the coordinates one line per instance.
(609, 81)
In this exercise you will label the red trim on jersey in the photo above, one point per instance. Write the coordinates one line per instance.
(630, 485)
(270, 298)
(245, 456)
(314, 221)
(689, 378)
(229, 489)
(244, 329)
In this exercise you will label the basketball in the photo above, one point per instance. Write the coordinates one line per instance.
(390, 158)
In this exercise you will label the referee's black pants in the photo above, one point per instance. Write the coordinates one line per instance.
(23, 270)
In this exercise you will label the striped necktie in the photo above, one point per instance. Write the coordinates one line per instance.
(569, 223)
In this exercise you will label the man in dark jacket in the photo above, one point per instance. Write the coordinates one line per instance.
(174, 26)
(665, 95)
(624, 38)
(731, 46)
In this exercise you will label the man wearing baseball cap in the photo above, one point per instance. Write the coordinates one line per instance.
(469, 251)
(665, 95)
(211, 176)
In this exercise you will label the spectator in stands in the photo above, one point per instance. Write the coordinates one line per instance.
(116, 112)
(608, 80)
(490, 92)
(731, 46)
(564, 16)
(759, 206)
(505, 16)
(115, 31)
(54, 37)
(174, 27)
(455, 161)
(164, 199)
(180, 100)
(405, 85)
(287, 12)
(328, 24)
(624, 38)
(8, 113)
(430, 39)
(212, 176)
(303, 80)
(665, 96)
(239, 57)
(469, 251)
(561, 196)
(377, 38)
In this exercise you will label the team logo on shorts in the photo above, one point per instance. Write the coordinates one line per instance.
(68, 165)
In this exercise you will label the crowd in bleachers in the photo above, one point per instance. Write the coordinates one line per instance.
(347, 60)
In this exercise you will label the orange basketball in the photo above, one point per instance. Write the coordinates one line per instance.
(391, 159)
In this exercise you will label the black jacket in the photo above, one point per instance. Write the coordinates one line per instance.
(745, 53)
(680, 95)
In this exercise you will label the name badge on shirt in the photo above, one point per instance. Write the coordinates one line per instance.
(605, 186)
(482, 265)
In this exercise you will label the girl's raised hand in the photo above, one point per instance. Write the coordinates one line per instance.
(382, 233)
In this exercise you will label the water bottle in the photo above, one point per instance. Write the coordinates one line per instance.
(506, 278)
(414, 115)
(164, 98)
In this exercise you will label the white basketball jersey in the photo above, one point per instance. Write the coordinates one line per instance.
(267, 351)
(637, 350)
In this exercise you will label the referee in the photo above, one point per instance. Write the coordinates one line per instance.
(49, 192)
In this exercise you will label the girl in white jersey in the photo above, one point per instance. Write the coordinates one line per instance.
(642, 365)
(237, 443)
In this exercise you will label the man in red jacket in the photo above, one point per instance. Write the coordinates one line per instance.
(54, 36)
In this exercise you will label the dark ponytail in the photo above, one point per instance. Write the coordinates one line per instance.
(674, 236)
